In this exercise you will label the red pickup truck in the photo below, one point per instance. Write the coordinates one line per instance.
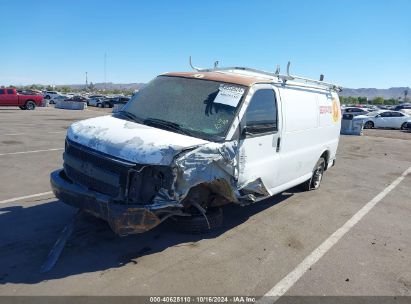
(10, 97)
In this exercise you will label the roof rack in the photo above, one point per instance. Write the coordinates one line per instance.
(276, 74)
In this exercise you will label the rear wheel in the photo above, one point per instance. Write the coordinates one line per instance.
(315, 181)
(30, 105)
(106, 105)
(404, 126)
(99, 105)
(369, 125)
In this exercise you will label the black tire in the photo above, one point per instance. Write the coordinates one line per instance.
(315, 181)
(197, 224)
(404, 126)
(30, 105)
(106, 105)
(369, 125)
(99, 105)
(22, 107)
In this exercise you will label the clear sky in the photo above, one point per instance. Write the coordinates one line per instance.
(354, 43)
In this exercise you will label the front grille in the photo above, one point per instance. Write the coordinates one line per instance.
(91, 183)
(83, 158)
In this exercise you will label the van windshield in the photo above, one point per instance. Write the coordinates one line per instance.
(196, 107)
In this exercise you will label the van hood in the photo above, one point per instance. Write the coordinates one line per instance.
(131, 141)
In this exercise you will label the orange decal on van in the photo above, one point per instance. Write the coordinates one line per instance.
(336, 111)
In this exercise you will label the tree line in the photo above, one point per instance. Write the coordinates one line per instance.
(365, 100)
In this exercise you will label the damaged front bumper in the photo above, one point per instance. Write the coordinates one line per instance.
(123, 218)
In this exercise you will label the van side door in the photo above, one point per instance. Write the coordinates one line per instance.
(260, 141)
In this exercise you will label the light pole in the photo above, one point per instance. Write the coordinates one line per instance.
(86, 82)
(105, 71)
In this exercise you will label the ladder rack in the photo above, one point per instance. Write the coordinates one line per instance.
(276, 74)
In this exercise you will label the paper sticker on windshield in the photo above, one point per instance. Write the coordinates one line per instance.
(229, 95)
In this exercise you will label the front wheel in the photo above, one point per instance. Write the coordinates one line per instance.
(30, 105)
(99, 105)
(369, 125)
(315, 181)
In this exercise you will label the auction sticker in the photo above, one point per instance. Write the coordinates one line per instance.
(229, 95)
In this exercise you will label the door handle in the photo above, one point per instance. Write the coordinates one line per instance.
(278, 144)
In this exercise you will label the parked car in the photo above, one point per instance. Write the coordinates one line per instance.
(406, 108)
(386, 119)
(78, 98)
(50, 94)
(191, 142)
(53, 100)
(10, 97)
(109, 102)
(355, 111)
(408, 126)
(93, 100)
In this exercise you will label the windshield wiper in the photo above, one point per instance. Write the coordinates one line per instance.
(130, 116)
(167, 124)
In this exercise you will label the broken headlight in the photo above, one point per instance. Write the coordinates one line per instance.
(145, 183)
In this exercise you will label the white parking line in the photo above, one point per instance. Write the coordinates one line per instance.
(11, 200)
(28, 152)
(289, 280)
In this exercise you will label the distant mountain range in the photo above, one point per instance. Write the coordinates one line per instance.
(371, 93)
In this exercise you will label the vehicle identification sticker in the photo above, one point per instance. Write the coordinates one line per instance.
(229, 95)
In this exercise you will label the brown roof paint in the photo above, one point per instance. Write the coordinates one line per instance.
(216, 76)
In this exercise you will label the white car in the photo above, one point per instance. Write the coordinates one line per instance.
(50, 94)
(95, 100)
(385, 119)
(190, 142)
(53, 100)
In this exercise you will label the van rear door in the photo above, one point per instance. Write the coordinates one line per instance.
(261, 137)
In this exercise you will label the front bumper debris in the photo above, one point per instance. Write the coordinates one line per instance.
(123, 218)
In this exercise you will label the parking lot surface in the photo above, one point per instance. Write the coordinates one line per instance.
(258, 246)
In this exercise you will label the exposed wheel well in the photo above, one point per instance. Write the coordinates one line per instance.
(210, 194)
(326, 156)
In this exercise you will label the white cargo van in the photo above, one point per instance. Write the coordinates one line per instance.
(191, 142)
